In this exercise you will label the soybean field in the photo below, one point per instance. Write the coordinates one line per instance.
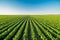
(29, 27)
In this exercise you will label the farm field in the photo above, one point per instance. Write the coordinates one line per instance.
(30, 27)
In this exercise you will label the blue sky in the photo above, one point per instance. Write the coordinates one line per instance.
(29, 6)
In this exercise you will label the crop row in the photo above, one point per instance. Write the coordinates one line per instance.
(28, 28)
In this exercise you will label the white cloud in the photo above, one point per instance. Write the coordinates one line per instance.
(5, 10)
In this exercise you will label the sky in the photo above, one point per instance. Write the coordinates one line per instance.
(29, 7)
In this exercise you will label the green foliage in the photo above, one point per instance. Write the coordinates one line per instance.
(30, 27)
